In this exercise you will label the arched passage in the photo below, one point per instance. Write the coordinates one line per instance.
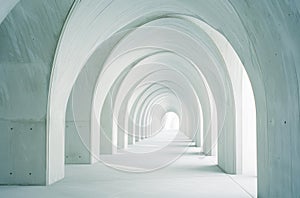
(264, 35)
(231, 168)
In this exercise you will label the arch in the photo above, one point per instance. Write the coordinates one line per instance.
(267, 44)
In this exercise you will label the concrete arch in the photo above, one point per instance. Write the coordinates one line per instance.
(220, 104)
(198, 85)
(164, 78)
(242, 40)
(267, 44)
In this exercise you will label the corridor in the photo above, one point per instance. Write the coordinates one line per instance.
(86, 87)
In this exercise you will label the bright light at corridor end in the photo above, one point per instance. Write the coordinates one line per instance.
(171, 121)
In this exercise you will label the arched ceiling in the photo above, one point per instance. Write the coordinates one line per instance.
(172, 40)
(112, 48)
(152, 36)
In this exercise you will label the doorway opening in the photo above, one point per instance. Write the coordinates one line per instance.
(170, 121)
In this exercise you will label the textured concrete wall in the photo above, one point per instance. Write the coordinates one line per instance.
(77, 137)
(28, 38)
(6, 7)
(272, 33)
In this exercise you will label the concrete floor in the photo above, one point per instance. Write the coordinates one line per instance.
(191, 175)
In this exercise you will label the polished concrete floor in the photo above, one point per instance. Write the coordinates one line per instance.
(184, 173)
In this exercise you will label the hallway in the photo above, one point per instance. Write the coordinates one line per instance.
(85, 85)
(191, 175)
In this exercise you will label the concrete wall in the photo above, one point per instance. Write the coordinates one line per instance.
(28, 38)
(271, 32)
(108, 140)
(77, 137)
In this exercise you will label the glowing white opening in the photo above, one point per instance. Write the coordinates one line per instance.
(170, 121)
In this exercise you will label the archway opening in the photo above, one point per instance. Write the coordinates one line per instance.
(170, 121)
